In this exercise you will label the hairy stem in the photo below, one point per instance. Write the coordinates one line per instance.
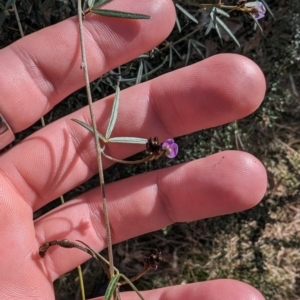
(97, 143)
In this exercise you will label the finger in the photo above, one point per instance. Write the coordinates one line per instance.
(210, 290)
(220, 184)
(61, 156)
(46, 65)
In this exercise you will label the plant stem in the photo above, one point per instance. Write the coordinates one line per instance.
(18, 20)
(181, 39)
(136, 277)
(207, 5)
(81, 282)
(134, 162)
(97, 143)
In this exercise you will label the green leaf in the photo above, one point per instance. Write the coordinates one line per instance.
(170, 57)
(177, 53)
(9, 3)
(172, 48)
(119, 14)
(145, 67)
(227, 30)
(147, 74)
(213, 16)
(197, 45)
(2, 17)
(132, 286)
(90, 128)
(140, 72)
(256, 23)
(128, 140)
(114, 114)
(94, 3)
(178, 24)
(188, 52)
(209, 27)
(100, 3)
(111, 287)
(90, 3)
(222, 12)
(186, 13)
(193, 44)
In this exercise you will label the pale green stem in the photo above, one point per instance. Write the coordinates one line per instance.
(97, 143)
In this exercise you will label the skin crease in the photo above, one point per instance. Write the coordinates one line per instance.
(40, 70)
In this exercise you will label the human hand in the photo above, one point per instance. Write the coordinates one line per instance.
(40, 70)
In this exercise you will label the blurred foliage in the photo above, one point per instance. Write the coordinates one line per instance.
(259, 246)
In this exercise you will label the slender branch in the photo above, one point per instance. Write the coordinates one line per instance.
(81, 282)
(181, 39)
(136, 277)
(97, 143)
(134, 162)
(207, 5)
(18, 20)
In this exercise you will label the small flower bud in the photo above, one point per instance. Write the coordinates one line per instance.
(152, 261)
(257, 9)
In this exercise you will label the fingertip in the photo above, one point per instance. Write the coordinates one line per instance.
(215, 91)
(252, 79)
(242, 79)
(254, 180)
(220, 184)
(162, 10)
(230, 289)
(237, 182)
(209, 290)
(148, 33)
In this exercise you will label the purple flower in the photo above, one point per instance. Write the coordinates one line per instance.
(258, 10)
(171, 148)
